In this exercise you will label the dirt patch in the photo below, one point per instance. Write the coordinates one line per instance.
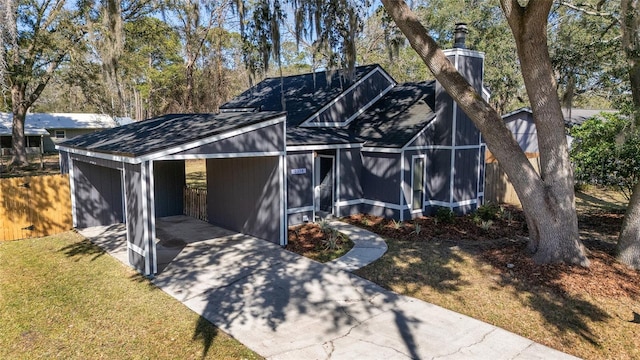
(48, 165)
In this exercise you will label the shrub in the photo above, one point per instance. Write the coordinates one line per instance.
(488, 211)
(445, 215)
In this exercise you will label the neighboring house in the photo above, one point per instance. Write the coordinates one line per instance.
(55, 128)
(521, 124)
(325, 146)
(34, 137)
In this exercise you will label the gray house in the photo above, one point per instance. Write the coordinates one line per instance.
(284, 152)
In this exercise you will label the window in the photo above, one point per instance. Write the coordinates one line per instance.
(417, 183)
(59, 134)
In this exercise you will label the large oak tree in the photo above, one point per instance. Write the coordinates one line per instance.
(628, 247)
(547, 198)
(41, 35)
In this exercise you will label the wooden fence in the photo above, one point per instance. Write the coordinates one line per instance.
(34, 206)
(195, 203)
(498, 188)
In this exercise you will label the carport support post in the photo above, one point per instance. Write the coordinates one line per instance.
(140, 217)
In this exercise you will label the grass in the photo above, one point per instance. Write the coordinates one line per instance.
(454, 275)
(196, 173)
(61, 298)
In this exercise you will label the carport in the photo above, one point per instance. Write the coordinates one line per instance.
(135, 174)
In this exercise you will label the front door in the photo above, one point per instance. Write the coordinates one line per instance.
(325, 183)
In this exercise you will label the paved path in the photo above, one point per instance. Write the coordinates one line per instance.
(285, 306)
(367, 247)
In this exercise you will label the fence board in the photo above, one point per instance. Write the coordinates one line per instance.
(498, 188)
(195, 203)
(34, 206)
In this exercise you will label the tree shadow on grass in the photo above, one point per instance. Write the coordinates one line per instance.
(82, 249)
(205, 331)
(414, 264)
(543, 289)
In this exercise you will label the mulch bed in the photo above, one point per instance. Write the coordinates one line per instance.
(503, 245)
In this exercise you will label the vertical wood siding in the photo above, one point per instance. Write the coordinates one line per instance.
(34, 206)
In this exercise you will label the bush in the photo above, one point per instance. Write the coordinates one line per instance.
(488, 211)
(445, 215)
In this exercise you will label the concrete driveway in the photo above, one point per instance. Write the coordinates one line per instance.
(285, 306)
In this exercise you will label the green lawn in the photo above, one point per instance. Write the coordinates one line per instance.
(62, 297)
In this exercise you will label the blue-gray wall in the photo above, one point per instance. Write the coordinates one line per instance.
(97, 195)
(138, 205)
(524, 130)
(349, 185)
(169, 183)
(381, 177)
(266, 139)
(243, 195)
(299, 186)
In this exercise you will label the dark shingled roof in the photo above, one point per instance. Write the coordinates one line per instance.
(304, 94)
(397, 117)
(164, 132)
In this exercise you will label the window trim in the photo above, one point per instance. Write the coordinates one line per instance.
(414, 158)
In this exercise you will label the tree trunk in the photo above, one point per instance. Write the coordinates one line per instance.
(190, 86)
(18, 143)
(628, 248)
(548, 199)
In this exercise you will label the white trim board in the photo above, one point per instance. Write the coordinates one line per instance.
(173, 150)
(417, 148)
(308, 121)
(355, 115)
(212, 139)
(292, 148)
(221, 155)
(297, 210)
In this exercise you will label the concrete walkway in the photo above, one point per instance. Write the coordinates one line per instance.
(285, 306)
(367, 247)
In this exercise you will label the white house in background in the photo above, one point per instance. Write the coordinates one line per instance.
(53, 128)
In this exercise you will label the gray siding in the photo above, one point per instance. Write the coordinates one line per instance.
(299, 186)
(524, 130)
(64, 162)
(97, 194)
(354, 100)
(350, 173)
(97, 161)
(466, 131)
(466, 175)
(243, 195)
(267, 139)
(298, 217)
(381, 177)
(169, 183)
(380, 211)
(439, 173)
(438, 132)
(135, 213)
